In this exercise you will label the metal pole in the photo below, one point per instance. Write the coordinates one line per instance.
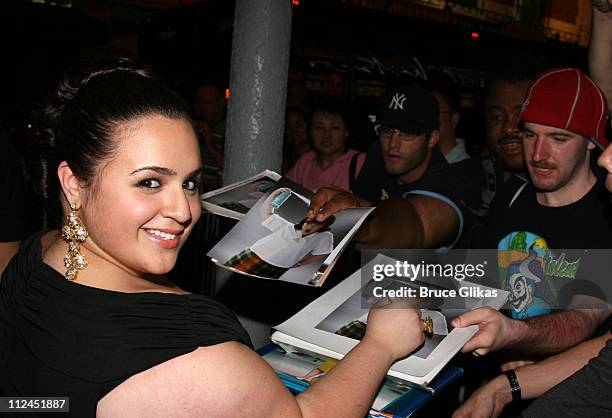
(256, 108)
(258, 88)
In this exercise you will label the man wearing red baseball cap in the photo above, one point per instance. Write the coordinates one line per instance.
(563, 120)
(572, 383)
(564, 207)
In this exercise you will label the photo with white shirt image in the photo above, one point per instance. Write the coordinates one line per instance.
(288, 244)
(274, 241)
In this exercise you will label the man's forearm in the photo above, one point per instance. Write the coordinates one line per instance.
(535, 379)
(394, 224)
(558, 331)
(413, 222)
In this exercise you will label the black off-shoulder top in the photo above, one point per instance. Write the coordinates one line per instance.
(60, 338)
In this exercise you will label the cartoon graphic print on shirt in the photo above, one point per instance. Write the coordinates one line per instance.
(532, 273)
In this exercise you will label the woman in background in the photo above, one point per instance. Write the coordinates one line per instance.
(331, 162)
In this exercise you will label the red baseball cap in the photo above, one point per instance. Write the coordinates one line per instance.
(566, 98)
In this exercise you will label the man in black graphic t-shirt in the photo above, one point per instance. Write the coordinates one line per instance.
(564, 207)
(575, 382)
(557, 236)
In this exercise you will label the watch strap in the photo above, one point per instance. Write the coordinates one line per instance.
(515, 387)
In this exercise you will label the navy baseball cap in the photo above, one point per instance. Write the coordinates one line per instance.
(410, 109)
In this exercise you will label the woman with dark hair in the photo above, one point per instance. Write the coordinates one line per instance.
(87, 312)
(331, 162)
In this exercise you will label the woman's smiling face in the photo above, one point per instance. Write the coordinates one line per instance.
(144, 201)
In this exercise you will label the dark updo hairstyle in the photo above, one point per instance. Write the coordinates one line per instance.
(81, 119)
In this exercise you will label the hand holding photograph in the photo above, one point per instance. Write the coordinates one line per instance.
(275, 241)
(333, 324)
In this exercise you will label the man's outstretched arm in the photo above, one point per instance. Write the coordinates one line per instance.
(543, 334)
(414, 222)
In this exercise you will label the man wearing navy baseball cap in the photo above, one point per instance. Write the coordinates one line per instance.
(419, 197)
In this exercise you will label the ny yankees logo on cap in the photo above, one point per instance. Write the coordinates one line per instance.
(397, 101)
(410, 109)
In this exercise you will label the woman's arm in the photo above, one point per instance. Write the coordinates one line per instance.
(229, 380)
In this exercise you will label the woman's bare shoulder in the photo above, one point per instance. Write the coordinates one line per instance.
(224, 380)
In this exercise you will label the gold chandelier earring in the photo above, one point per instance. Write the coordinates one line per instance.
(73, 233)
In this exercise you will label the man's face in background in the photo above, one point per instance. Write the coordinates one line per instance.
(555, 157)
(502, 110)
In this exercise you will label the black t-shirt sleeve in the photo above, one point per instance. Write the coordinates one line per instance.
(442, 181)
(448, 183)
(591, 279)
(473, 179)
(580, 287)
(488, 234)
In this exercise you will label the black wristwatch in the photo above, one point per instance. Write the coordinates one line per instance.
(515, 388)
